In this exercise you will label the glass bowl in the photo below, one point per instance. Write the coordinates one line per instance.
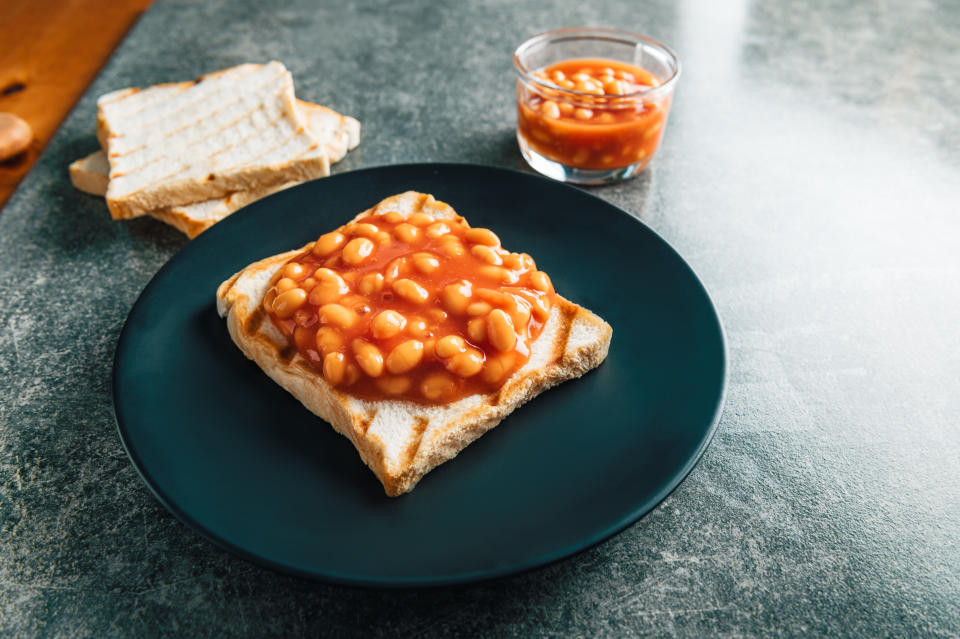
(592, 103)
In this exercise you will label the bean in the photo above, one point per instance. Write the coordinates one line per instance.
(337, 314)
(334, 368)
(456, 297)
(466, 364)
(405, 356)
(328, 340)
(328, 243)
(421, 219)
(486, 254)
(411, 291)
(500, 330)
(357, 250)
(541, 281)
(387, 324)
(370, 283)
(496, 368)
(437, 386)
(406, 233)
(482, 236)
(394, 385)
(288, 302)
(425, 262)
(368, 357)
(449, 346)
(294, 270)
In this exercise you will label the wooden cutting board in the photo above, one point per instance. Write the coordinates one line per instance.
(50, 52)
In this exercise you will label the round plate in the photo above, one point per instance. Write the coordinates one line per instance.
(235, 457)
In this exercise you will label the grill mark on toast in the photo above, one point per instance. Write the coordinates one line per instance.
(309, 150)
(166, 176)
(242, 116)
(153, 106)
(211, 97)
(423, 199)
(240, 142)
(245, 140)
(558, 350)
(287, 353)
(186, 86)
(212, 133)
(222, 149)
(114, 96)
(569, 312)
(254, 320)
(365, 421)
(116, 173)
(187, 173)
(409, 453)
(145, 105)
(304, 367)
(293, 135)
(285, 142)
(257, 158)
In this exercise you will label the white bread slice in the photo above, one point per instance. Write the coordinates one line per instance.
(337, 133)
(233, 130)
(91, 174)
(194, 219)
(400, 441)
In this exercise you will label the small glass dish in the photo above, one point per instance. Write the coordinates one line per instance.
(592, 103)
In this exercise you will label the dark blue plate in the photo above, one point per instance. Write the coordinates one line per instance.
(235, 457)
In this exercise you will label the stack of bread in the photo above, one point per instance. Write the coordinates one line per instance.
(192, 153)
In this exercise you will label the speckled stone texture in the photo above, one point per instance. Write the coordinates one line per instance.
(809, 175)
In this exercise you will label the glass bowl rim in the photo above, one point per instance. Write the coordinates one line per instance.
(596, 33)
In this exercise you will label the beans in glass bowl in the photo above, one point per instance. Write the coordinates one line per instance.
(592, 104)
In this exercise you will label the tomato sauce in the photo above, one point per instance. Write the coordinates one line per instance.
(411, 307)
(592, 114)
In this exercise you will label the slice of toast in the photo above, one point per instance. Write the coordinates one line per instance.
(91, 174)
(400, 441)
(337, 133)
(232, 130)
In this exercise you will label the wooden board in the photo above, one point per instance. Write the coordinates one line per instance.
(51, 50)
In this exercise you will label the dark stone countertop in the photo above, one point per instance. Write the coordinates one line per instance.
(809, 175)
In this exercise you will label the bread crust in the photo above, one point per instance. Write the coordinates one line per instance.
(430, 435)
(338, 133)
(137, 189)
(90, 174)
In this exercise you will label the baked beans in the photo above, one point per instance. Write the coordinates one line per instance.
(411, 307)
(594, 116)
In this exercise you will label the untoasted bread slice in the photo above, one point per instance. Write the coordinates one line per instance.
(337, 133)
(399, 440)
(233, 130)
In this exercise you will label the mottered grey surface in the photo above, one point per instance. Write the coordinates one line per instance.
(810, 176)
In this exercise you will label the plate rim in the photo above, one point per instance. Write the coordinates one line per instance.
(472, 577)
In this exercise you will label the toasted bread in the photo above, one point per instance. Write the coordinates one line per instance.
(337, 133)
(91, 174)
(233, 130)
(400, 441)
